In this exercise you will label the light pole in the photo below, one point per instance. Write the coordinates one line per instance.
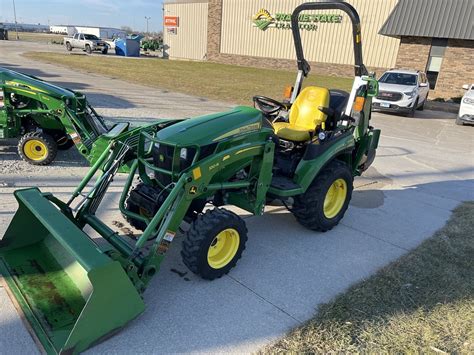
(147, 18)
(16, 25)
(163, 22)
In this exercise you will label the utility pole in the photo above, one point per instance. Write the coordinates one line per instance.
(147, 18)
(16, 24)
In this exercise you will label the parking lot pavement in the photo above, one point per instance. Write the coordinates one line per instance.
(424, 168)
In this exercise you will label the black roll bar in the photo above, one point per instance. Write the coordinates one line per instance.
(303, 64)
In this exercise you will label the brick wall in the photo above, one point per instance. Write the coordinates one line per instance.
(214, 25)
(457, 69)
(414, 53)
(214, 54)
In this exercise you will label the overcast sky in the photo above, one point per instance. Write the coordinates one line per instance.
(112, 13)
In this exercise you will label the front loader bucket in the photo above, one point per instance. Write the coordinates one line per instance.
(72, 294)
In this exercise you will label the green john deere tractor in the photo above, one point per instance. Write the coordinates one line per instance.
(75, 291)
(46, 118)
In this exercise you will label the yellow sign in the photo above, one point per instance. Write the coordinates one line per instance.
(264, 20)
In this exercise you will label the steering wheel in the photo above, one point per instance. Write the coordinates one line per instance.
(267, 105)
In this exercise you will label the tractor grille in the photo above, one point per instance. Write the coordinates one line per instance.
(389, 96)
(163, 159)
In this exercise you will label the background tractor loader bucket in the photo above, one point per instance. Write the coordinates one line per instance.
(72, 294)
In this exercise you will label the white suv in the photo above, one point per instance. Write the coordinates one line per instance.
(401, 91)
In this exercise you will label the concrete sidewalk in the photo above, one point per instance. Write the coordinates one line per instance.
(424, 168)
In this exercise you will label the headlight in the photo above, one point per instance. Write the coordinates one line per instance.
(468, 101)
(410, 94)
(183, 154)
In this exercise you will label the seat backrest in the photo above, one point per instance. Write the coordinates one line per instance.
(305, 112)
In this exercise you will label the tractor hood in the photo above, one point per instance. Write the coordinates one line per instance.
(209, 129)
(9, 77)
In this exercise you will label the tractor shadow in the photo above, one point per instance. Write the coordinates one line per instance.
(28, 71)
(71, 85)
(101, 100)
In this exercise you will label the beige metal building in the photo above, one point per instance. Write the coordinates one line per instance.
(187, 40)
(436, 36)
(229, 26)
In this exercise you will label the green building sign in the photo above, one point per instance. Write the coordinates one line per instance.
(264, 20)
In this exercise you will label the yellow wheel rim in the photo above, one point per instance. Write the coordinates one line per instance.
(35, 150)
(335, 198)
(223, 248)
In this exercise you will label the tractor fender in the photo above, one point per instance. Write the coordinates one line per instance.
(313, 162)
(366, 151)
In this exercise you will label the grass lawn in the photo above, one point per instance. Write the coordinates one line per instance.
(35, 37)
(422, 303)
(222, 82)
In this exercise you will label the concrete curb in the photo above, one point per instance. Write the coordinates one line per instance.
(442, 106)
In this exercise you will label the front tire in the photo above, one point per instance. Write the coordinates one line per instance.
(132, 206)
(63, 142)
(413, 109)
(459, 122)
(37, 148)
(325, 202)
(422, 107)
(105, 50)
(214, 243)
(88, 49)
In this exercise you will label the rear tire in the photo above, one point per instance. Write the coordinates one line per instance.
(68, 46)
(422, 107)
(88, 49)
(325, 202)
(459, 122)
(214, 243)
(37, 148)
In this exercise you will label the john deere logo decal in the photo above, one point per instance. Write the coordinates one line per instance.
(263, 20)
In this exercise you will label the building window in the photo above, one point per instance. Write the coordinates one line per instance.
(438, 47)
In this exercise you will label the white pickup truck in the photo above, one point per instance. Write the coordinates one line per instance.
(86, 42)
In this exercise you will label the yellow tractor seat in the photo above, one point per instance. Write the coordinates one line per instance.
(296, 134)
(305, 115)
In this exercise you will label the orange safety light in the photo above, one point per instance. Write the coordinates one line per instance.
(288, 91)
(359, 104)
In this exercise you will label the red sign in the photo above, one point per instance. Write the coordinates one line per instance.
(171, 21)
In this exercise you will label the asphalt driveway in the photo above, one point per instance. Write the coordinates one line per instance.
(424, 168)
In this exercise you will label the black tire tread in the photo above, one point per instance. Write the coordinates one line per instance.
(306, 206)
(198, 233)
(46, 139)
